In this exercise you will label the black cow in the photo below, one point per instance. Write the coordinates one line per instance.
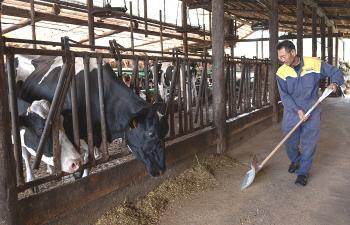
(32, 119)
(39, 79)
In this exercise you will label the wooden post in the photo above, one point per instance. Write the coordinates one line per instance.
(184, 26)
(314, 32)
(330, 46)
(91, 24)
(131, 29)
(145, 16)
(219, 101)
(300, 27)
(323, 39)
(8, 193)
(323, 48)
(32, 16)
(262, 44)
(161, 32)
(336, 51)
(273, 28)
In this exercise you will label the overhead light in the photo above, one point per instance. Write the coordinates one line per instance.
(109, 11)
(260, 25)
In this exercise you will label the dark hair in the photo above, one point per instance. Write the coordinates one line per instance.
(286, 44)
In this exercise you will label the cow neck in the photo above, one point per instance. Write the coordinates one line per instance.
(121, 103)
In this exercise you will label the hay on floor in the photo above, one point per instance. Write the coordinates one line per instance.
(148, 210)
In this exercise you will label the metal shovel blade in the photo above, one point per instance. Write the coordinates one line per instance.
(250, 175)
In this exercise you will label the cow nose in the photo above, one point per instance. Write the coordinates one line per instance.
(75, 166)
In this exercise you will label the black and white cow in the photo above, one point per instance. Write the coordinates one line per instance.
(32, 119)
(39, 78)
(165, 73)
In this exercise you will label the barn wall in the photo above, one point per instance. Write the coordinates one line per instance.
(84, 201)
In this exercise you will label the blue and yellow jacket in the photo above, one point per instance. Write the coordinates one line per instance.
(299, 89)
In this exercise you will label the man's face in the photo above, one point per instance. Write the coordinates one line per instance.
(286, 57)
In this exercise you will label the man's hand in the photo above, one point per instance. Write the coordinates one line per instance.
(333, 86)
(302, 115)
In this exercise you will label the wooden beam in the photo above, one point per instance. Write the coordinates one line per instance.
(12, 11)
(299, 15)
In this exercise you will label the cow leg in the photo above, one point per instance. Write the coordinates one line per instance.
(49, 169)
(85, 152)
(29, 171)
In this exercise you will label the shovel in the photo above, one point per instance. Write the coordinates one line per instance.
(255, 168)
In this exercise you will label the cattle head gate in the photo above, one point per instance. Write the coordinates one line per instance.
(183, 83)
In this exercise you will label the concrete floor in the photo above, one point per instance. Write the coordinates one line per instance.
(273, 198)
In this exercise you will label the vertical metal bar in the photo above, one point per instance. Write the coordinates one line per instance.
(14, 117)
(184, 93)
(240, 89)
(161, 32)
(206, 96)
(189, 75)
(32, 17)
(131, 29)
(102, 108)
(145, 70)
(201, 101)
(249, 88)
(228, 88)
(145, 17)
(155, 75)
(258, 95)
(135, 72)
(56, 146)
(266, 88)
(88, 109)
(234, 105)
(52, 114)
(179, 102)
(255, 84)
(73, 93)
(199, 96)
(8, 196)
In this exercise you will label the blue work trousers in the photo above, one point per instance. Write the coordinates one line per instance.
(301, 145)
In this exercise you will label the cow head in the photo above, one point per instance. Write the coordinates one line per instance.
(32, 124)
(146, 139)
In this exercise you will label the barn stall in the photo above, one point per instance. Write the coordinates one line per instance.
(241, 94)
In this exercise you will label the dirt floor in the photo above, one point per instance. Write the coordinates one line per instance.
(273, 198)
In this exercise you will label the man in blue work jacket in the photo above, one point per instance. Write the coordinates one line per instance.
(298, 85)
